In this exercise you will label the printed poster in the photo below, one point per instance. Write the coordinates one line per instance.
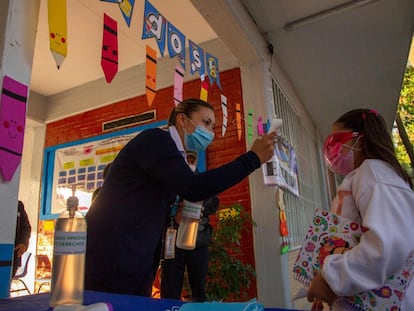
(81, 167)
(281, 170)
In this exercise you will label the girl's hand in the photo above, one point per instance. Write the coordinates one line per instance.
(320, 290)
(317, 305)
(20, 249)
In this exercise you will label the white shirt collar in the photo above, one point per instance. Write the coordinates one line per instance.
(177, 139)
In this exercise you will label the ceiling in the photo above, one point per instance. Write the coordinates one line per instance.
(339, 55)
(336, 54)
(84, 32)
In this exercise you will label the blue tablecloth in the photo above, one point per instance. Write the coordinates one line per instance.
(40, 302)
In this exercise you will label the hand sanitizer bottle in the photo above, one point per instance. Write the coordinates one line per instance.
(69, 256)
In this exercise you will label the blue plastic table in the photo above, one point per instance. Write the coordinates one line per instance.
(40, 302)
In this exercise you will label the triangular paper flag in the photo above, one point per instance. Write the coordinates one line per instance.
(213, 69)
(176, 43)
(126, 7)
(196, 59)
(154, 26)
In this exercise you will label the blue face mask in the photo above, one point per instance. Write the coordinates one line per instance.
(199, 139)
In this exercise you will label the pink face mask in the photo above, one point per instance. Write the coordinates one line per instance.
(337, 160)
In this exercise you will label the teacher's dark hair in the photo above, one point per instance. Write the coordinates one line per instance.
(187, 107)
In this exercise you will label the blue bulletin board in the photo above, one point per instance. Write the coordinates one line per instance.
(81, 163)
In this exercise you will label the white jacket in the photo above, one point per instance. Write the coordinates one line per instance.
(384, 203)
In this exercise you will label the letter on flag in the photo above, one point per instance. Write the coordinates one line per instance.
(196, 59)
(154, 26)
(176, 43)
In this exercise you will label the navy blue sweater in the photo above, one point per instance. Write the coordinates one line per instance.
(128, 217)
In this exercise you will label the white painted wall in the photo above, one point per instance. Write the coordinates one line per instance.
(29, 187)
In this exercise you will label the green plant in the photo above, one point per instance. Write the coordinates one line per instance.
(403, 135)
(228, 277)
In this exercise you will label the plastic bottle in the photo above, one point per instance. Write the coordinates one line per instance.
(188, 228)
(69, 256)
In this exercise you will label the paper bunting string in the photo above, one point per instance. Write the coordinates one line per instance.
(238, 120)
(12, 123)
(260, 129)
(225, 115)
(250, 126)
(126, 7)
(109, 58)
(178, 85)
(154, 26)
(176, 43)
(196, 59)
(57, 30)
(204, 91)
(213, 69)
(151, 83)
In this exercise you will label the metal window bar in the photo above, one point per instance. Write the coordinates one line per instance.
(299, 210)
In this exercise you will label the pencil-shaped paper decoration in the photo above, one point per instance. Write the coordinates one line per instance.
(109, 58)
(260, 129)
(204, 90)
(151, 82)
(57, 30)
(12, 123)
(238, 120)
(225, 115)
(178, 84)
(250, 126)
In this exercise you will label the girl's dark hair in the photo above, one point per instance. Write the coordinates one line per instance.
(187, 107)
(376, 140)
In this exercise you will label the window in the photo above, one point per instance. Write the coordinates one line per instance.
(299, 210)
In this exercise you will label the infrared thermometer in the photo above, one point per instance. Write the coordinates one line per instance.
(275, 125)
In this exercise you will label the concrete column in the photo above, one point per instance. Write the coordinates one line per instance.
(18, 24)
(236, 29)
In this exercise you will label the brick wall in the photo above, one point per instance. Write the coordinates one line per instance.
(222, 150)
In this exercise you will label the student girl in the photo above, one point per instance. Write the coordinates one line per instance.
(375, 192)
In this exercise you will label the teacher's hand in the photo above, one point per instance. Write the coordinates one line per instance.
(264, 146)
